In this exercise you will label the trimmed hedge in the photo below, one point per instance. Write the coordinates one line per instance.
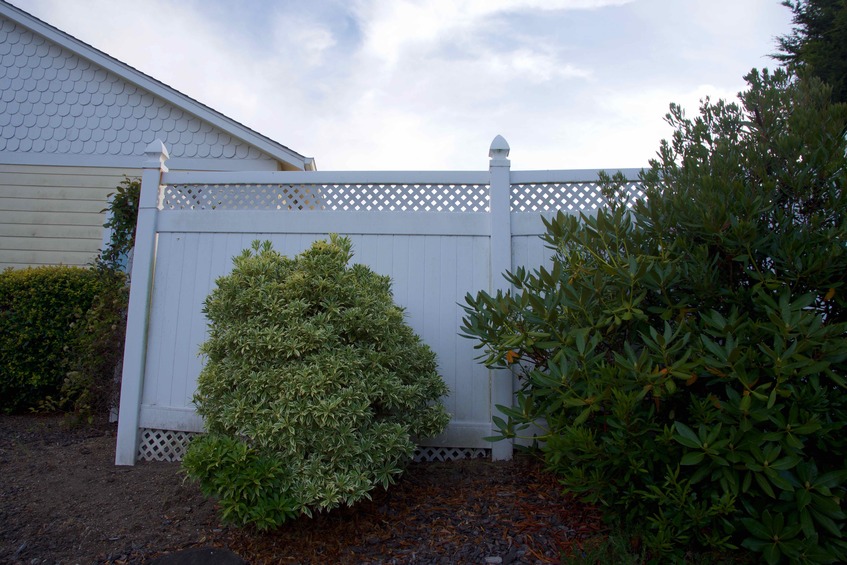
(39, 310)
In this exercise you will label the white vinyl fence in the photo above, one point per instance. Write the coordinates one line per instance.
(438, 235)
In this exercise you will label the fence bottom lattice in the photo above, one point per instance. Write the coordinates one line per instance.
(170, 445)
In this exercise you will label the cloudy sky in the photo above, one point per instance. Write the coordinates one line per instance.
(427, 84)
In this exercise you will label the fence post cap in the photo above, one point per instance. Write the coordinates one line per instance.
(499, 150)
(156, 153)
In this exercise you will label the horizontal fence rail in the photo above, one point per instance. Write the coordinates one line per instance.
(438, 235)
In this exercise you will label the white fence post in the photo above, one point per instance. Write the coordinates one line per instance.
(501, 261)
(135, 349)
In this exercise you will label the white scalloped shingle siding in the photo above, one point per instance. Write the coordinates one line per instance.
(54, 101)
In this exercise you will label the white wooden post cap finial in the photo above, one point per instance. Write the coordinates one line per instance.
(156, 154)
(499, 150)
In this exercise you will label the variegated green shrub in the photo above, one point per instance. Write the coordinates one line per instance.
(315, 387)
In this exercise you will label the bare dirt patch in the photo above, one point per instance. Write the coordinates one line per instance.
(62, 500)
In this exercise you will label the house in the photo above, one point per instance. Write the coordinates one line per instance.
(74, 121)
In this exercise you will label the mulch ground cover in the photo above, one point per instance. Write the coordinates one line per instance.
(62, 500)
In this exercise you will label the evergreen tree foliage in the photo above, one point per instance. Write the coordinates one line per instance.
(818, 42)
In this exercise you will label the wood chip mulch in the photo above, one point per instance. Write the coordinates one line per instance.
(62, 500)
(454, 512)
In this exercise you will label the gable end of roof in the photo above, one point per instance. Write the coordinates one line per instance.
(134, 76)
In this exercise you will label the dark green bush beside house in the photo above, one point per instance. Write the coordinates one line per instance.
(45, 315)
(92, 384)
(314, 389)
(687, 356)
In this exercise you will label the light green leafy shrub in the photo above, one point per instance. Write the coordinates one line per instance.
(43, 312)
(314, 390)
(687, 354)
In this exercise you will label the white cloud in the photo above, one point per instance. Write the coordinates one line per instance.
(536, 66)
(299, 39)
(392, 28)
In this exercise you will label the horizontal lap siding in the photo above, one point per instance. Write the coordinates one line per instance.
(52, 215)
(430, 276)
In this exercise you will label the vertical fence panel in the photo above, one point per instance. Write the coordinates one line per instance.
(439, 236)
(201, 285)
(184, 342)
(530, 251)
(160, 322)
(446, 305)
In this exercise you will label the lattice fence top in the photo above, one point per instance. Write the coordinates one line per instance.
(407, 197)
(241, 197)
(530, 197)
(357, 197)
(567, 196)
